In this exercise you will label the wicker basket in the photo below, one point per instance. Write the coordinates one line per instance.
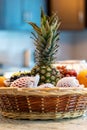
(43, 103)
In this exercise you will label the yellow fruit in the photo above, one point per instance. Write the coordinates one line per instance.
(2, 81)
(82, 77)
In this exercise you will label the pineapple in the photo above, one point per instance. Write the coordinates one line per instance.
(46, 39)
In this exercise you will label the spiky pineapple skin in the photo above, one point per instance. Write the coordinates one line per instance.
(48, 74)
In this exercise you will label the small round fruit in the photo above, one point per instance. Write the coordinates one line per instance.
(82, 77)
(68, 82)
(2, 79)
(26, 82)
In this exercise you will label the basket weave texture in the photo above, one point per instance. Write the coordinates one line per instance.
(43, 103)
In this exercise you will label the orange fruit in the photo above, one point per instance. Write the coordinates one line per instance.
(2, 81)
(82, 77)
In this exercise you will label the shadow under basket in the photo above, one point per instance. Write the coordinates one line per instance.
(43, 103)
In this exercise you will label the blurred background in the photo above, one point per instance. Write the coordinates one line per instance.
(16, 45)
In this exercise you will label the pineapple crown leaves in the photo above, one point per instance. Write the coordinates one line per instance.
(46, 38)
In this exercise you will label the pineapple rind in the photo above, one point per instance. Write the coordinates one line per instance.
(50, 75)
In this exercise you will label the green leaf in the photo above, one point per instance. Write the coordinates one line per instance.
(51, 19)
(35, 27)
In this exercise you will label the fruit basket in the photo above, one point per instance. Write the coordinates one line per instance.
(43, 103)
(20, 101)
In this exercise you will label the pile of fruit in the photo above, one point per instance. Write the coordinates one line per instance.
(66, 72)
(81, 76)
(25, 79)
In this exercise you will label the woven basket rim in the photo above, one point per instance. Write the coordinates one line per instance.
(55, 91)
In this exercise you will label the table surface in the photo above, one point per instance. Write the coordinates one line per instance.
(65, 124)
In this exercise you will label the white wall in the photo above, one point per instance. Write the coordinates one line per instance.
(72, 45)
(12, 47)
